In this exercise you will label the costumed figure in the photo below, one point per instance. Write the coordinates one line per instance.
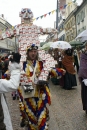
(68, 64)
(34, 101)
(9, 86)
(83, 78)
(36, 67)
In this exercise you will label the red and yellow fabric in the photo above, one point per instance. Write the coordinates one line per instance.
(36, 107)
(55, 72)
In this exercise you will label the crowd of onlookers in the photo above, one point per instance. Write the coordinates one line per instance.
(4, 62)
(74, 61)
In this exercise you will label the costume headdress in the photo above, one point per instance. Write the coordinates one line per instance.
(32, 47)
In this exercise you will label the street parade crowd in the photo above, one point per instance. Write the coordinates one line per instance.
(26, 74)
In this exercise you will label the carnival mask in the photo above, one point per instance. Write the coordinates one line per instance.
(26, 13)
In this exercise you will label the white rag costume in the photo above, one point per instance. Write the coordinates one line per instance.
(8, 86)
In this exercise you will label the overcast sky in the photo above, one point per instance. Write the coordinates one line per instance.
(11, 9)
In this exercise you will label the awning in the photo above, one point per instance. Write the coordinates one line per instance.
(4, 48)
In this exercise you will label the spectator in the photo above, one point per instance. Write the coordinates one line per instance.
(68, 64)
(83, 78)
(8, 86)
(6, 63)
(1, 67)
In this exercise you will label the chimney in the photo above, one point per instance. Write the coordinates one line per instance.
(2, 15)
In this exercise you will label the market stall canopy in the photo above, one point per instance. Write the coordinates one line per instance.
(46, 46)
(76, 43)
(60, 45)
(82, 36)
(42, 43)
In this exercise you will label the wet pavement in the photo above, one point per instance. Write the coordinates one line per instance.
(65, 111)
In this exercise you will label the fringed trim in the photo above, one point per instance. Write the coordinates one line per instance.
(35, 109)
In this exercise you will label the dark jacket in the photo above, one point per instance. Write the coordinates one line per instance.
(6, 63)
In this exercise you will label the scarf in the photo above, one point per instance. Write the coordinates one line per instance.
(83, 66)
(29, 70)
(67, 62)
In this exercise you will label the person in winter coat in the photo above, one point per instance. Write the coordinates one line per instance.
(70, 75)
(8, 86)
(83, 78)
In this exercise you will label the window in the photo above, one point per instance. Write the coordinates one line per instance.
(62, 38)
(78, 31)
(84, 28)
(62, 27)
(81, 29)
(82, 16)
(8, 42)
(84, 12)
(78, 19)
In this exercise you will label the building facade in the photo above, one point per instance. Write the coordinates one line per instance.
(61, 18)
(81, 17)
(70, 27)
(70, 22)
(70, 6)
(6, 45)
(61, 30)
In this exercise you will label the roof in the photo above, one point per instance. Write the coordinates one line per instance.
(81, 6)
(4, 48)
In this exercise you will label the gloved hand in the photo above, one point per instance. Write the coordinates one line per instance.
(85, 82)
(42, 83)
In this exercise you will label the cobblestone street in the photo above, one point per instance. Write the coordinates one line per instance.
(65, 112)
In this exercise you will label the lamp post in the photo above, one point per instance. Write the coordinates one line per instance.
(57, 16)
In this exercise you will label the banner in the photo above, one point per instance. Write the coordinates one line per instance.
(53, 11)
(49, 13)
